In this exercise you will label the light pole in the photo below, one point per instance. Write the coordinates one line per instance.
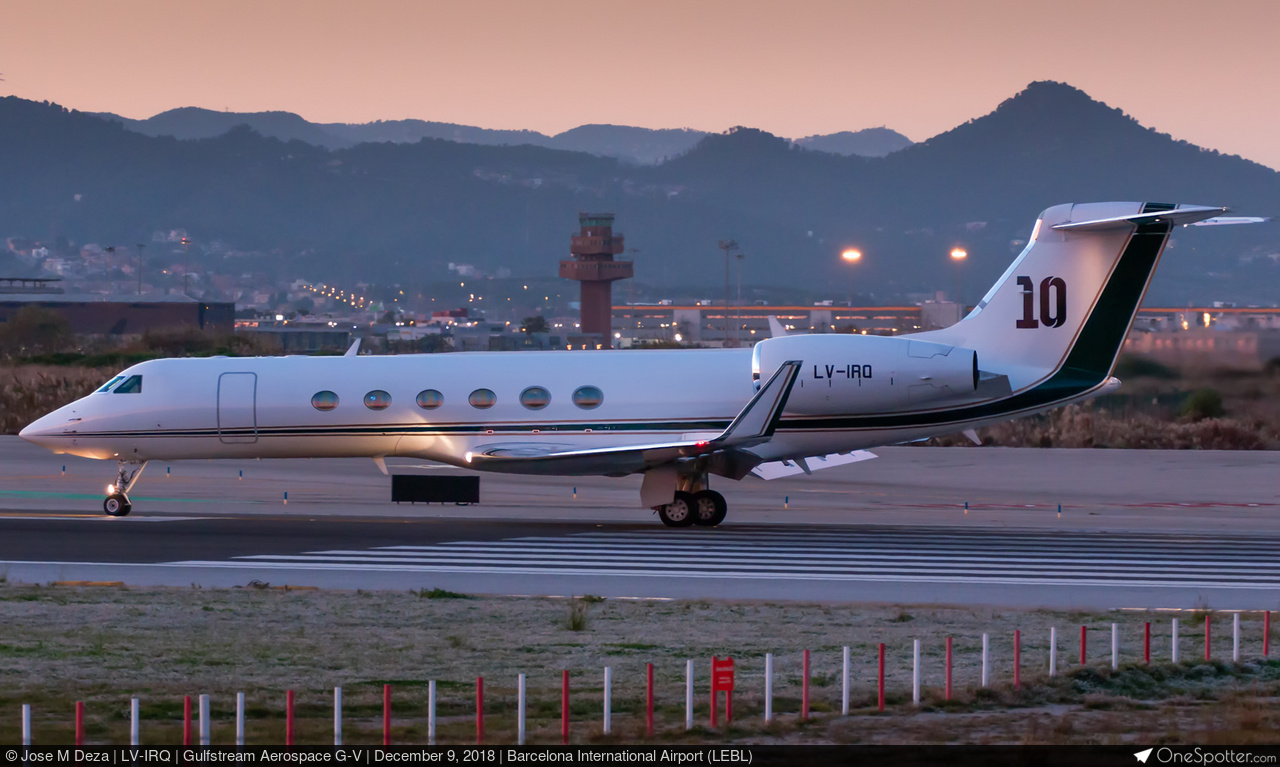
(737, 306)
(958, 255)
(186, 247)
(727, 246)
(851, 256)
(140, 246)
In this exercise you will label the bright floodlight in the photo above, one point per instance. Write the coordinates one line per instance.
(851, 255)
(959, 254)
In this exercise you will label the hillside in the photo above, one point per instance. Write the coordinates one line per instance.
(402, 212)
(640, 146)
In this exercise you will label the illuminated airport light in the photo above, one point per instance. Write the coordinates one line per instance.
(959, 254)
(851, 255)
(679, 338)
(279, 318)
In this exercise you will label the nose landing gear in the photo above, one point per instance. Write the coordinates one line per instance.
(117, 502)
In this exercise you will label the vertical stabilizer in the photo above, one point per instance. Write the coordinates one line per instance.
(1067, 302)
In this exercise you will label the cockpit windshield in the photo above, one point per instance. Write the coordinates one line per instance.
(107, 386)
(133, 385)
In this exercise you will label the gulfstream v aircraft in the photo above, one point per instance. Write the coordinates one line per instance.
(1045, 335)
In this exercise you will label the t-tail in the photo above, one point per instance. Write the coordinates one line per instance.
(1057, 318)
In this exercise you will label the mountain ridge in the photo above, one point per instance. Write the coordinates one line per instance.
(402, 212)
(641, 146)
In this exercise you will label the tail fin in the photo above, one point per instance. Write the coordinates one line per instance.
(1068, 300)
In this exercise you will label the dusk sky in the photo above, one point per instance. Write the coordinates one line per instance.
(1205, 72)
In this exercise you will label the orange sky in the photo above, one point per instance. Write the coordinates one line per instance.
(1204, 72)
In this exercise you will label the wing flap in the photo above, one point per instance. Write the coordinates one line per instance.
(779, 469)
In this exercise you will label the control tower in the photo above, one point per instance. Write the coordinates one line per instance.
(593, 249)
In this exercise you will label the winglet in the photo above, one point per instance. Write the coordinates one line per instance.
(776, 330)
(760, 417)
(354, 350)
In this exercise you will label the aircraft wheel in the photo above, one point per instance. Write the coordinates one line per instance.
(117, 505)
(678, 513)
(709, 508)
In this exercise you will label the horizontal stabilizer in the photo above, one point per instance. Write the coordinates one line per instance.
(1185, 214)
(778, 469)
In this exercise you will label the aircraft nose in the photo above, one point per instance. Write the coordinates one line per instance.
(42, 430)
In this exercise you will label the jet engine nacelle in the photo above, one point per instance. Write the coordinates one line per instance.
(865, 374)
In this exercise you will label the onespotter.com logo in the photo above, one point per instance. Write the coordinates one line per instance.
(1197, 755)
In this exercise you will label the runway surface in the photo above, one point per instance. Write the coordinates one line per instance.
(883, 531)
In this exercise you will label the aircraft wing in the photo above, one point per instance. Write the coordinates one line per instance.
(753, 426)
(779, 469)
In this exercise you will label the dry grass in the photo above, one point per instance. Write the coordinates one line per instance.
(1144, 414)
(103, 646)
(30, 391)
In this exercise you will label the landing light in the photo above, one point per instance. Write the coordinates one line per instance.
(111, 489)
(468, 457)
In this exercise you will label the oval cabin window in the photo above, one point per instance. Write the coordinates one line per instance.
(430, 399)
(535, 398)
(482, 399)
(377, 400)
(325, 400)
(588, 397)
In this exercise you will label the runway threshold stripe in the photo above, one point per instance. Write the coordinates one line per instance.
(739, 575)
(548, 565)
(1012, 555)
(961, 537)
(536, 554)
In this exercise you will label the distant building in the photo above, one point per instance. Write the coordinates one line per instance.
(1245, 349)
(93, 314)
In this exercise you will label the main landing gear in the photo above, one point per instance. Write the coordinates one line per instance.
(117, 502)
(694, 504)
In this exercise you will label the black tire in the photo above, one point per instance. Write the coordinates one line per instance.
(117, 505)
(678, 513)
(709, 508)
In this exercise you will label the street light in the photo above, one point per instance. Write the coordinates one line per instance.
(958, 255)
(851, 256)
(727, 246)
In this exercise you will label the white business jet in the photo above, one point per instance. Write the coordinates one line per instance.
(1047, 334)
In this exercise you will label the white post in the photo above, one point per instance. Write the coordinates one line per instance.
(608, 679)
(520, 712)
(431, 712)
(1175, 640)
(337, 716)
(1235, 638)
(844, 684)
(1115, 647)
(26, 724)
(204, 720)
(1053, 652)
(688, 695)
(768, 687)
(915, 671)
(239, 719)
(986, 656)
(135, 734)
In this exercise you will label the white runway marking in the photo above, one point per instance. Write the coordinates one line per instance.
(1082, 559)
